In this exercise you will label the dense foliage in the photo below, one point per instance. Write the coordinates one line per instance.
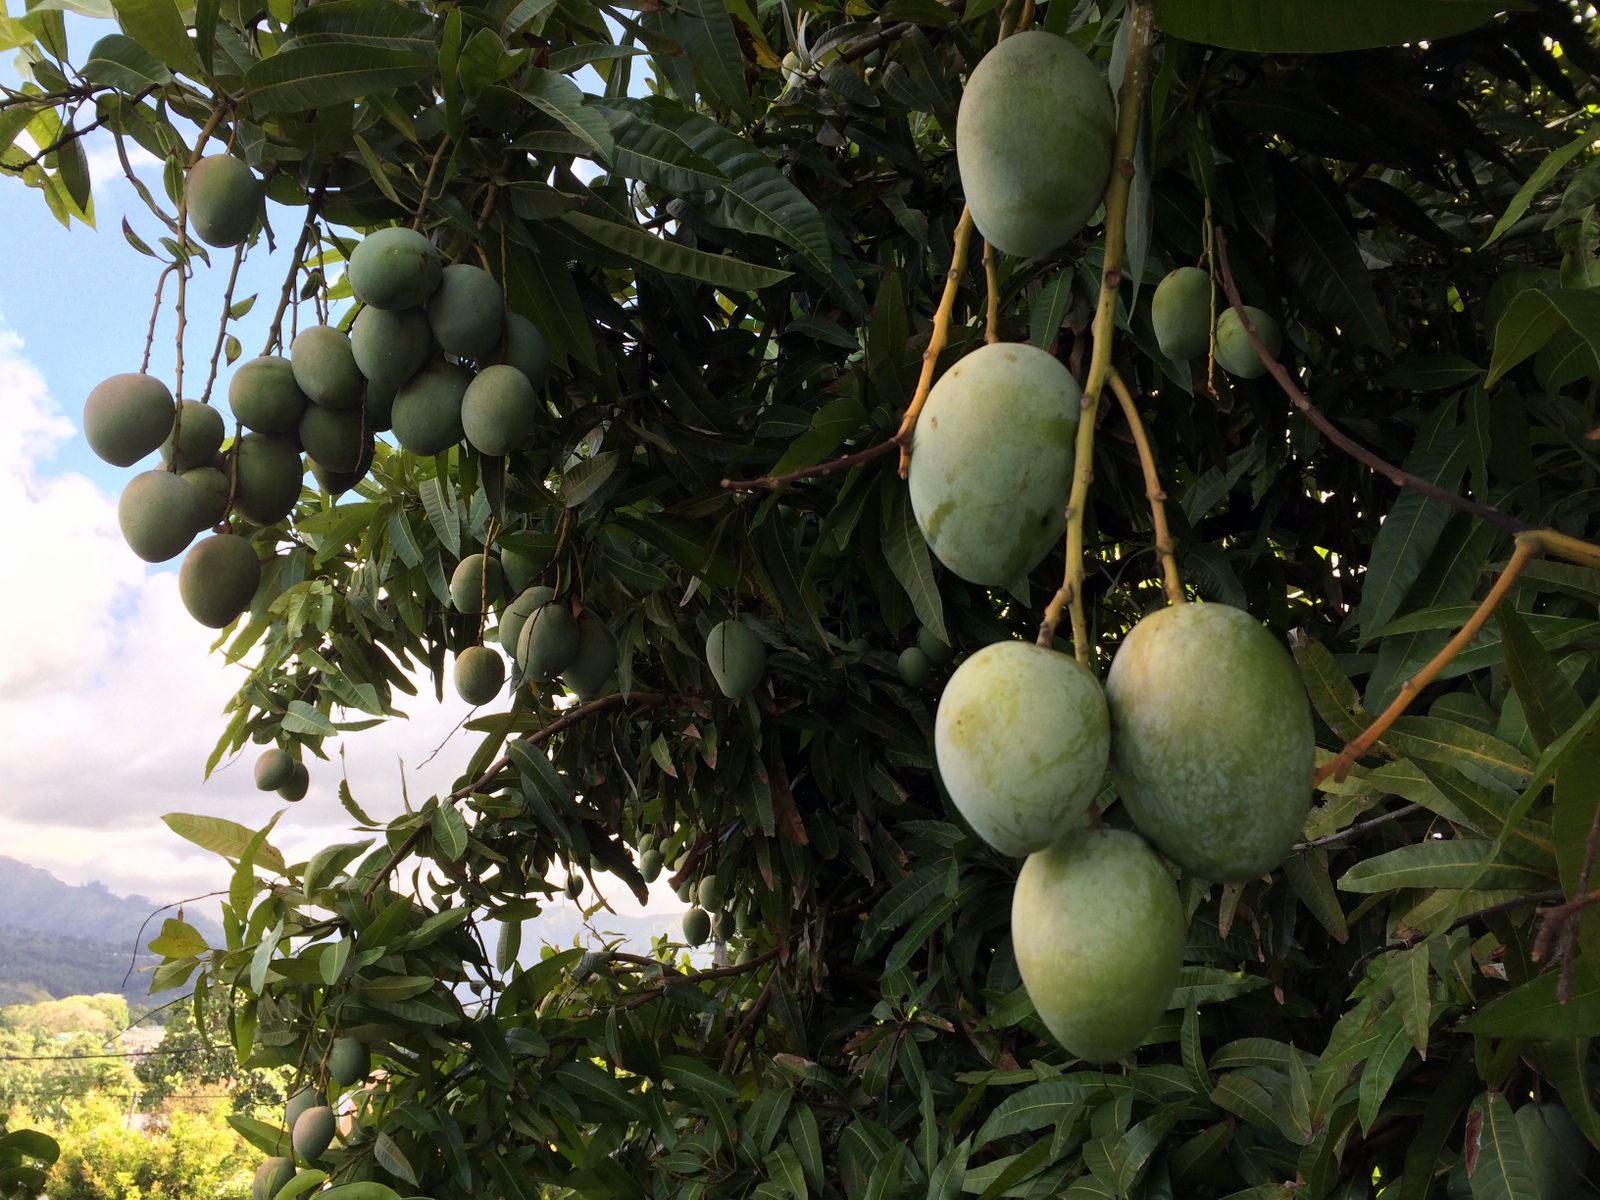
(747, 287)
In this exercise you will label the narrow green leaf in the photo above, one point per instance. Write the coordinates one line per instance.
(1332, 694)
(157, 25)
(449, 831)
(1323, 259)
(685, 1072)
(1541, 177)
(1503, 1168)
(325, 74)
(1548, 700)
(1315, 27)
(221, 836)
(1438, 863)
(670, 258)
(907, 555)
(1533, 1011)
(120, 62)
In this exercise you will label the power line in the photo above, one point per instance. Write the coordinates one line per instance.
(124, 1054)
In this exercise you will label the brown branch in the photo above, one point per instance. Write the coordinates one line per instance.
(767, 482)
(222, 326)
(746, 1027)
(1461, 921)
(1339, 766)
(1395, 475)
(427, 183)
(991, 277)
(890, 34)
(1344, 835)
(939, 337)
(155, 312)
(275, 333)
(534, 738)
(69, 137)
(1152, 488)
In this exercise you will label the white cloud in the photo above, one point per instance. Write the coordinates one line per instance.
(110, 702)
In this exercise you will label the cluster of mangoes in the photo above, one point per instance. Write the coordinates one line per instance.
(1181, 310)
(310, 1121)
(1202, 721)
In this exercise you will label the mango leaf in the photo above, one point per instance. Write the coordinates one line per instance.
(1533, 1011)
(651, 152)
(559, 97)
(1323, 260)
(1431, 373)
(670, 258)
(178, 939)
(449, 831)
(329, 73)
(157, 25)
(1532, 319)
(1315, 27)
(120, 62)
(1434, 739)
(693, 1074)
(1504, 1170)
(1548, 700)
(705, 31)
(1332, 694)
(269, 1139)
(1439, 863)
(1047, 1103)
(1541, 177)
(907, 555)
(221, 836)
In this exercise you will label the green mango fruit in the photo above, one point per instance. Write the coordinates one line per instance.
(211, 485)
(159, 515)
(1180, 310)
(524, 348)
(128, 416)
(938, 652)
(1022, 737)
(270, 475)
(1211, 740)
(1034, 137)
(304, 1099)
(380, 407)
(574, 886)
(200, 432)
(313, 1133)
(1235, 353)
(325, 368)
(1098, 931)
(219, 578)
(427, 410)
(349, 1061)
(467, 313)
(518, 611)
(520, 569)
(390, 346)
(595, 662)
(274, 769)
(394, 268)
(737, 657)
(480, 674)
(548, 642)
(499, 410)
(476, 582)
(709, 892)
(696, 926)
(914, 667)
(650, 865)
(297, 786)
(334, 439)
(265, 397)
(272, 1176)
(223, 198)
(991, 461)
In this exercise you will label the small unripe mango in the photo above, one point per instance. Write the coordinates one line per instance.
(333, 438)
(696, 926)
(390, 346)
(199, 430)
(914, 667)
(592, 666)
(467, 313)
(274, 769)
(1235, 353)
(525, 349)
(549, 642)
(737, 657)
(517, 613)
(212, 487)
(1180, 310)
(325, 368)
(272, 1176)
(313, 1133)
(427, 410)
(298, 784)
(269, 477)
(476, 582)
(349, 1061)
(265, 397)
(499, 410)
(480, 674)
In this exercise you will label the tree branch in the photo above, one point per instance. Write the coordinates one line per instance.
(1152, 488)
(1461, 921)
(1344, 835)
(767, 482)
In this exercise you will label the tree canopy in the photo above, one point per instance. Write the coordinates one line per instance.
(739, 247)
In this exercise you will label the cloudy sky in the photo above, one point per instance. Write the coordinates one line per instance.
(109, 700)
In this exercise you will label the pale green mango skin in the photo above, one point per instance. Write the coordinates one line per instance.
(270, 474)
(223, 197)
(1022, 737)
(696, 926)
(334, 438)
(325, 368)
(306, 1098)
(524, 348)
(467, 313)
(1235, 354)
(1557, 1151)
(499, 410)
(737, 657)
(390, 346)
(212, 486)
(1211, 740)
(349, 1061)
(1098, 931)
(591, 668)
(265, 397)
(1180, 310)
(159, 515)
(313, 1133)
(517, 613)
(128, 416)
(427, 410)
(274, 769)
(549, 642)
(295, 789)
(1034, 138)
(200, 432)
(271, 1177)
(219, 578)
(395, 268)
(914, 667)
(991, 462)
(469, 589)
(480, 674)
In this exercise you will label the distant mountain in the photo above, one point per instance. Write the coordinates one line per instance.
(43, 951)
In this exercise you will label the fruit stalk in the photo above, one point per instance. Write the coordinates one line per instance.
(991, 275)
(1152, 488)
(183, 267)
(222, 326)
(938, 338)
(275, 333)
(1135, 79)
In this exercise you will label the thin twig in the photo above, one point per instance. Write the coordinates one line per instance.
(222, 325)
(939, 337)
(1131, 99)
(427, 184)
(1395, 475)
(767, 482)
(1461, 921)
(155, 311)
(564, 722)
(1339, 766)
(1344, 835)
(1152, 488)
(71, 135)
(275, 333)
(991, 276)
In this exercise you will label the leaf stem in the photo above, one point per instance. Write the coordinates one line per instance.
(1152, 488)
(1135, 78)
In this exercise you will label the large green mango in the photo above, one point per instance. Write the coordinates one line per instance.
(333, 438)
(223, 197)
(390, 346)
(1098, 931)
(1034, 138)
(1235, 353)
(270, 475)
(1180, 311)
(467, 313)
(394, 268)
(1211, 740)
(1021, 738)
(480, 674)
(991, 462)
(265, 397)
(427, 410)
(499, 410)
(325, 367)
(219, 578)
(159, 514)
(199, 431)
(128, 416)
